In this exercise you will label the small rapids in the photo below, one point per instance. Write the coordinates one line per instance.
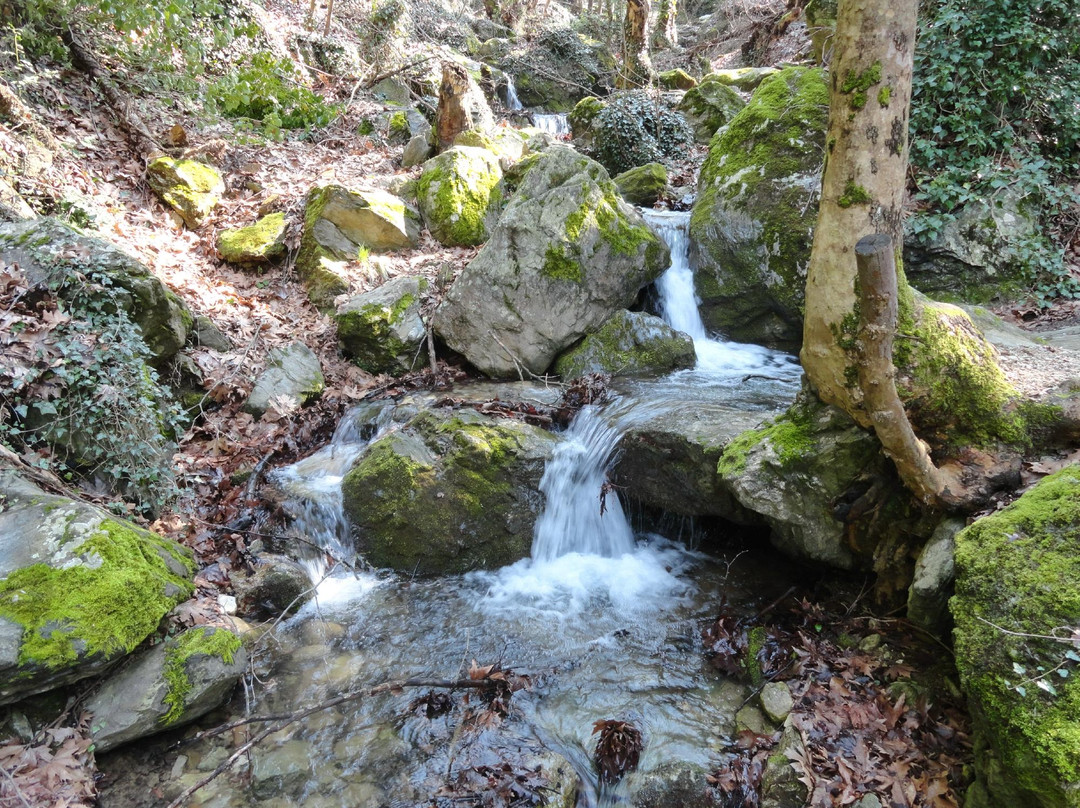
(554, 123)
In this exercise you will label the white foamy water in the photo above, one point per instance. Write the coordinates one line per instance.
(552, 123)
(513, 103)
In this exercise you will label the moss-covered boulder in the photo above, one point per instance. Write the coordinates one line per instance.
(746, 79)
(752, 224)
(259, 243)
(191, 188)
(643, 185)
(509, 145)
(677, 79)
(581, 119)
(709, 106)
(293, 374)
(821, 27)
(1017, 585)
(449, 492)
(382, 330)
(630, 343)
(79, 588)
(52, 253)
(167, 686)
(454, 192)
(566, 254)
(338, 222)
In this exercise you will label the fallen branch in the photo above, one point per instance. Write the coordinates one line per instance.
(391, 73)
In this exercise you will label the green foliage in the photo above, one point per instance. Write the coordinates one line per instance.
(267, 90)
(89, 400)
(634, 129)
(996, 105)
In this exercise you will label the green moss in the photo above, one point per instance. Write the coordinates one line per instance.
(78, 612)
(581, 117)
(755, 641)
(884, 95)
(202, 641)
(454, 192)
(559, 266)
(262, 241)
(857, 84)
(789, 436)
(854, 195)
(1020, 569)
(399, 128)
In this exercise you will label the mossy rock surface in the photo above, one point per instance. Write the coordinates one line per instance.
(1018, 581)
(708, 106)
(566, 254)
(630, 343)
(509, 145)
(51, 252)
(449, 492)
(752, 224)
(191, 188)
(259, 243)
(643, 185)
(676, 80)
(382, 330)
(581, 118)
(746, 79)
(79, 588)
(454, 192)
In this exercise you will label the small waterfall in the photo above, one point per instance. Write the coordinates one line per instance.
(573, 520)
(552, 123)
(513, 103)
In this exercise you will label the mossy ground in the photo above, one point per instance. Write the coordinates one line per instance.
(201, 641)
(1019, 571)
(80, 612)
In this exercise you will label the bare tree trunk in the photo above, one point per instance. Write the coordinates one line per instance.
(863, 186)
(329, 17)
(637, 68)
(666, 34)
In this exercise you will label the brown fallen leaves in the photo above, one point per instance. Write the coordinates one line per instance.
(57, 769)
(617, 750)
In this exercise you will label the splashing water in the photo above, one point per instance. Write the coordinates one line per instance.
(552, 123)
(513, 103)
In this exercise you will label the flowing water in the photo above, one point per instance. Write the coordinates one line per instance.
(513, 103)
(605, 621)
(554, 123)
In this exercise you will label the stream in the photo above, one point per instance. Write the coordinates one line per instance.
(604, 617)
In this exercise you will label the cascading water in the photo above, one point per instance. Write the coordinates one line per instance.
(553, 123)
(513, 103)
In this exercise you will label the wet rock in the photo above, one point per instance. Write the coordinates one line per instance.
(281, 770)
(751, 718)
(642, 185)
(292, 372)
(50, 252)
(191, 188)
(449, 492)
(709, 106)
(166, 686)
(277, 586)
(259, 243)
(1019, 569)
(630, 343)
(753, 220)
(454, 192)
(928, 597)
(671, 784)
(776, 701)
(566, 254)
(79, 588)
(381, 330)
(780, 784)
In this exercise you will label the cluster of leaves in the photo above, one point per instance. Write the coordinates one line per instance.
(494, 786)
(996, 107)
(634, 129)
(76, 386)
(267, 90)
(56, 768)
(618, 749)
(864, 725)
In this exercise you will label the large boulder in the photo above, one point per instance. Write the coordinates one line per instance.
(292, 372)
(1017, 586)
(276, 585)
(449, 492)
(52, 254)
(382, 330)
(167, 686)
(258, 243)
(79, 588)
(643, 185)
(338, 222)
(753, 220)
(454, 192)
(630, 343)
(709, 106)
(566, 254)
(191, 188)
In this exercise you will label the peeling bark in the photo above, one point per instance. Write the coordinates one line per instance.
(637, 67)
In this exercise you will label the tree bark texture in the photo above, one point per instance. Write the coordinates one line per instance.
(461, 105)
(637, 67)
(666, 34)
(863, 185)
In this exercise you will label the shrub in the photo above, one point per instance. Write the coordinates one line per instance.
(634, 129)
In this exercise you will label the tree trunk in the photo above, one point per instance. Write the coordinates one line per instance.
(665, 35)
(863, 186)
(637, 68)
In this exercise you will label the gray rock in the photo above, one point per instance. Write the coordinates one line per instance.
(392, 91)
(13, 208)
(671, 784)
(780, 784)
(206, 334)
(191, 188)
(79, 588)
(449, 492)
(50, 252)
(454, 192)
(751, 718)
(566, 254)
(417, 150)
(277, 586)
(743, 78)
(776, 701)
(293, 372)
(629, 343)
(166, 686)
(642, 185)
(708, 107)
(382, 330)
(669, 460)
(280, 770)
(928, 597)
(753, 219)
